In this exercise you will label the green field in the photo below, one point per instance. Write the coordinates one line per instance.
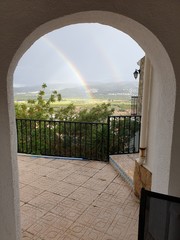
(122, 107)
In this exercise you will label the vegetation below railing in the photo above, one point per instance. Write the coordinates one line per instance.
(124, 134)
(79, 139)
(60, 138)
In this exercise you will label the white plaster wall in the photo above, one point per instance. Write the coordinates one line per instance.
(20, 20)
(160, 130)
(9, 194)
(152, 130)
(163, 90)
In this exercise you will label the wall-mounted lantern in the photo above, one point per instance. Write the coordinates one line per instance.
(136, 72)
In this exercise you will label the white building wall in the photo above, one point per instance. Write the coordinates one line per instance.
(159, 135)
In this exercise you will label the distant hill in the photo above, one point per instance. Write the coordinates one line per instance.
(110, 90)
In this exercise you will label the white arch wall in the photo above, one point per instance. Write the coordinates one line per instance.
(20, 18)
(163, 85)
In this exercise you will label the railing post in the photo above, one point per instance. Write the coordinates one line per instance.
(17, 130)
(108, 138)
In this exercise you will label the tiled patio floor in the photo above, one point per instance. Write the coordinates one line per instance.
(74, 199)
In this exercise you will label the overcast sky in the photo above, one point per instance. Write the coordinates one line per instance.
(79, 54)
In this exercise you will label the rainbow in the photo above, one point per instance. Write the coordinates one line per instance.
(70, 65)
(115, 72)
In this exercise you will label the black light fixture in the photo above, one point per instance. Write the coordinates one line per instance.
(136, 72)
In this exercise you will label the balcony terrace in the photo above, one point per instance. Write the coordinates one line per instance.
(75, 199)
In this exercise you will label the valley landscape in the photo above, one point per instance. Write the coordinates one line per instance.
(117, 94)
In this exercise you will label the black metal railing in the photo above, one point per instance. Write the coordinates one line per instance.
(134, 105)
(124, 134)
(62, 138)
(79, 139)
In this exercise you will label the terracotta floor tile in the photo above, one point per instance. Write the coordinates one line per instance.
(28, 177)
(119, 191)
(109, 169)
(77, 230)
(50, 218)
(32, 212)
(119, 180)
(22, 157)
(42, 170)
(87, 171)
(26, 222)
(119, 226)
(72, 214)
(107, 213)
(46, 200)
(24, 164)
(94, 210)
(86, 219)
(129, 210)
(109, 201)
(92, 234)
(96, 184)
(59, 175)
(28, 192)
(21, 185)
(102, 223)
(132, 231)
(96, 164)
(44, 183)
(57, 221)
(38, 228)
(21, 203)
(31, 167)
(51, 197)
(52, 233)
(30, 215)
(132, 198)
(106, 176)
(27, 236)
(36, 238)
(68, 236)
(76, 179)
(65, 211)
(114, 207)
(56, 164)
(108, 237)
(84, 195)
(42, 161)
(62, 188)
(69, 166)
(79, 162)
(113, 188)
(62, 223)
(75, 204)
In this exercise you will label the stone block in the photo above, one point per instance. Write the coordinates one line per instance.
(142, 178)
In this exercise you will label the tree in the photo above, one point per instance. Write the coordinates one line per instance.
(39, 108)
(99, 113)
